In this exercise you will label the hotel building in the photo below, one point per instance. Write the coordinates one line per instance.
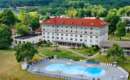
(76, 31)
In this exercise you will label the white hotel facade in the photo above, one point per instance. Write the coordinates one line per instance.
(88, 31)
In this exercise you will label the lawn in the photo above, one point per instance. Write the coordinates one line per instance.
(47, 51)
(10, 69)
(86, 51)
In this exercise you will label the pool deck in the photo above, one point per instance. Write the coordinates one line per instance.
(112, 72)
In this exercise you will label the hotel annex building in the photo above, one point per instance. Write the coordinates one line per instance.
(88, 31)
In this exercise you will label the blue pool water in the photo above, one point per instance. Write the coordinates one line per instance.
(76, 69)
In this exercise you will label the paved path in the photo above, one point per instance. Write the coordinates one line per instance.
(77, 53)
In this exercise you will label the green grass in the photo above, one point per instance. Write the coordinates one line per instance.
(47, 51)
(85, 51)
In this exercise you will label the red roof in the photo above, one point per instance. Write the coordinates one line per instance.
(85, 22)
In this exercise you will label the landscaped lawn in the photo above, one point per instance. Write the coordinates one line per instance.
(60, 54)
(85, 51)
(10, 69)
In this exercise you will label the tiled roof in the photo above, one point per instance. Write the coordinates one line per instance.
(85, 22)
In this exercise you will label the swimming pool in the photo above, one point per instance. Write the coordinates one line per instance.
(78, 70)
(73, 69)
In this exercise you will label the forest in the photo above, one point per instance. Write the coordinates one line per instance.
(105, 3)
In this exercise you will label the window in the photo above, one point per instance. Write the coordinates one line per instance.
(61, 37)
(19, 42)
(96, 36)
(66, 34)
(71, 39)
(23, 41)
(75, 39)
(81, 40)
(90, 36)
(80, 35)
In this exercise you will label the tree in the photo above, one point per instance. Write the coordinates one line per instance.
(120, 31)
(22, 29)
(8, 17)
(25, 52)
(97, 10)
(124, 11)
(116, 53)
(24, 17)
(5, 37)
(81, 13)
(113, 18)
(71, 12)
(31, 19)
(34, 20)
